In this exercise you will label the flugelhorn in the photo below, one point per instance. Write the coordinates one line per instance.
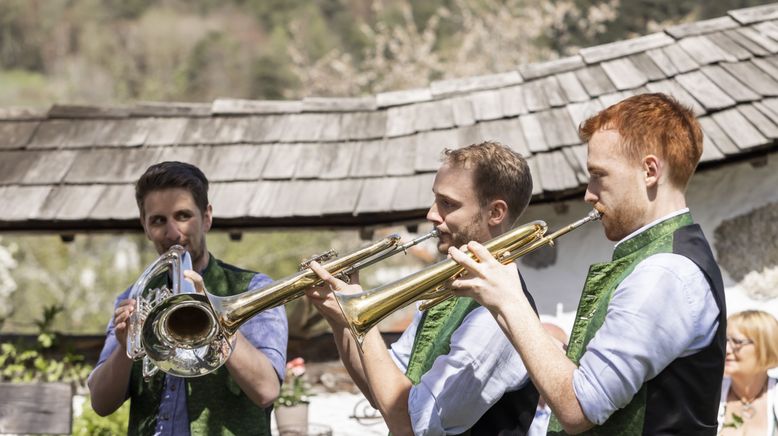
(175, 261)
(365, 309)
(191, 334)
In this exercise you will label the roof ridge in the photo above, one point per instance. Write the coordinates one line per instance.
(755, 14)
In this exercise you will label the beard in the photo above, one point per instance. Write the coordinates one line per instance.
(469, 232)
(618, 223)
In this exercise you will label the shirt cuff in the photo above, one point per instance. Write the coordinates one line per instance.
(424, 411)
(589, 398)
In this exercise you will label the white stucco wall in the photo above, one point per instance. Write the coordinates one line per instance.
(714, 195)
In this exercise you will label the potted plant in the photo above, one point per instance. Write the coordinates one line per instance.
(291, 407)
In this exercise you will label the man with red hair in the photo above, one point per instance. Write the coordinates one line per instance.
(648, 344)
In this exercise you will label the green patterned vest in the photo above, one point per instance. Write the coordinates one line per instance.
(674, 235)
(215, 403)
(433, 337)
(511, 414)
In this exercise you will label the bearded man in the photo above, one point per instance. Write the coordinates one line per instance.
(452, 371)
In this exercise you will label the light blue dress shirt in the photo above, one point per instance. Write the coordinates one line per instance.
(267, 331)
(662, 311)
(539, 426)
(462, 385)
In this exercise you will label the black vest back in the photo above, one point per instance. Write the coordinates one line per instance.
(684, 398)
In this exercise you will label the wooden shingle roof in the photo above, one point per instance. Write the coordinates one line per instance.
(371, 160)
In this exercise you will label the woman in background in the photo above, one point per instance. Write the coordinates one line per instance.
(749, 397)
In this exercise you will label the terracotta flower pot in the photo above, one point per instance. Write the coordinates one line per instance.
(292, 419)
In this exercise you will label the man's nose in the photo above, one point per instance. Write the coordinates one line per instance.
(172, 232)
(589, 197)
(433, 216)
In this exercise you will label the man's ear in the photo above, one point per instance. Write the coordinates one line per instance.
(498, 212)
(652, 169)
(207, 218)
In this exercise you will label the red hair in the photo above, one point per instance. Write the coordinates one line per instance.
(653, 124)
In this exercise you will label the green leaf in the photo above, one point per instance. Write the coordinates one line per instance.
(736, 422)
(46, 340)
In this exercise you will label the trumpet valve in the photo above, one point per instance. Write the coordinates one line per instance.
(504, 255)
(323, 257)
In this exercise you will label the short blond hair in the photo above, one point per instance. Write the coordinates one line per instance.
(762, 329)
(500, 173)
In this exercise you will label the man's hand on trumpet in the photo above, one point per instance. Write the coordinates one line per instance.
(196, 280)
(486, 280)
(121, 321)
(323, 296)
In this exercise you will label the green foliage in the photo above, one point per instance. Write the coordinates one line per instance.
(90, 423)
(295, 390)
(579, 28)
(198, 72)
(315, 36)
(83, 278)
(127, 9)
(38, 363)
(737, 422)
(22, 85)
(271, 77)
(49, 313)
(275, 13)
(200, 50)
(22, 365)
(423, 11)
(18, 49)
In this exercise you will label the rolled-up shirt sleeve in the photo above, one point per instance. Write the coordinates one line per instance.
(268, 331)
(111, 343)
(462, 385)
(663, 310)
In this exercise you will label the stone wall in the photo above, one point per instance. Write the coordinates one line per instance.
(747, 242)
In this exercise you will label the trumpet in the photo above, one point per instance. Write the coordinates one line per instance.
(363, 310)
(189, 334)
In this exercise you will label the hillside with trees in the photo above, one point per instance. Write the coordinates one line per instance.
(110, 51)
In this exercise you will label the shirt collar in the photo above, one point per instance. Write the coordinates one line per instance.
(652, 224)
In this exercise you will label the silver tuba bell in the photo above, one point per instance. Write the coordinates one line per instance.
(175, 261)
